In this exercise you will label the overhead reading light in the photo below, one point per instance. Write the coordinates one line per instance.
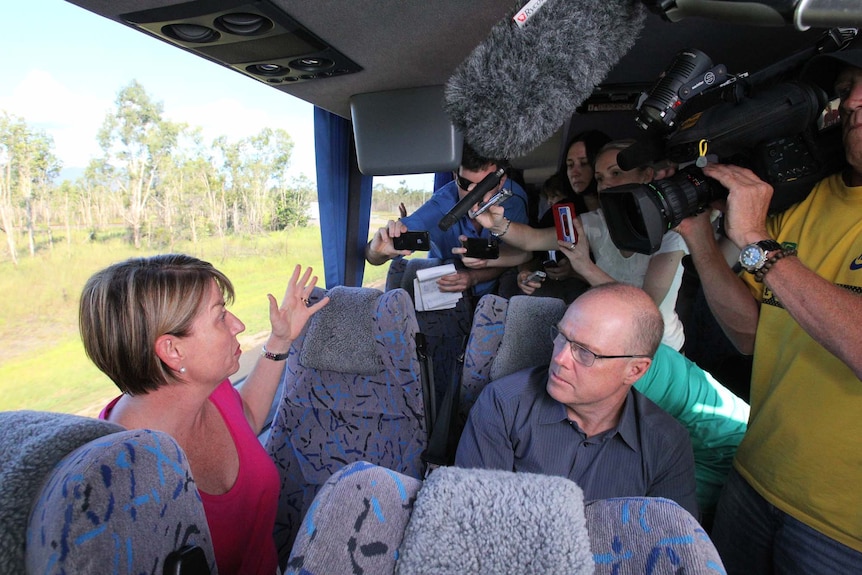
(312, 64)
(257, 39)
(191, 33)
(243, 24)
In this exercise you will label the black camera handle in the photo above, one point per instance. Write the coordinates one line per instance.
(740, 87)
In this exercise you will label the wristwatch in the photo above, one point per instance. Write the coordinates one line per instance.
(753, 256)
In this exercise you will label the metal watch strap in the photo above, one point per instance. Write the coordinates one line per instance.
(273, 356)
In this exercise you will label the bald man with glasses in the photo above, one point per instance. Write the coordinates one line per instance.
(580, 417)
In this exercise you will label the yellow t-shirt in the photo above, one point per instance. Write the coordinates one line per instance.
(803, 448)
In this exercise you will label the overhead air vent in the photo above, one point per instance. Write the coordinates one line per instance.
(257, 39)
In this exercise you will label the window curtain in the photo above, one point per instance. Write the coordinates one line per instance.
(344, 196)
(441, 179)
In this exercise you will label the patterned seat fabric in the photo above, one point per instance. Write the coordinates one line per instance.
(351, 392)
(356, 523)
(649, 535)
(120, 503)
(507, 335)
(367, 519)
(444, 330)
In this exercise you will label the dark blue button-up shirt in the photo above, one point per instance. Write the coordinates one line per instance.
(515, 425)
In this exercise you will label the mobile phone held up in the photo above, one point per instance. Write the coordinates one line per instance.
(482, 248)
(564, 216)
(414, 241)
(536, 276)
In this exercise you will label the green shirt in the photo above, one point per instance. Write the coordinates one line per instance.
(715, 418)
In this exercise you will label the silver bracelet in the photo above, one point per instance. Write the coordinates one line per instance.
(273, 356)
(503, 233)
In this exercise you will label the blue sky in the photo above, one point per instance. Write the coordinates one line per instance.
(63, 66)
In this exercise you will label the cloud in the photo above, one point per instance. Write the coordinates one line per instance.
(71, 117)
(234, 119)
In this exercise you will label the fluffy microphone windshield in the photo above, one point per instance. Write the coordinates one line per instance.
(521, 84)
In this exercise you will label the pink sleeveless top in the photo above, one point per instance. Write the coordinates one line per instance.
(241, 521)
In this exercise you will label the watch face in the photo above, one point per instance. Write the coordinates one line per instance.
(750, 256)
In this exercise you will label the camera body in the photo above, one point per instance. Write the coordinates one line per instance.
(779, 130)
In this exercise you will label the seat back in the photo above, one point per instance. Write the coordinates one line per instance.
(85, 496)
(445, 330)
(351, 392)
(373, 520)
(356, 522)
(506, 336)
(648, 535)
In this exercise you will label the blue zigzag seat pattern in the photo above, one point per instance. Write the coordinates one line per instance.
(329, 418)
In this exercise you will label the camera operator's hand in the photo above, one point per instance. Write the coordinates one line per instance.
(747, 202)
(696, 230)
(381, 249)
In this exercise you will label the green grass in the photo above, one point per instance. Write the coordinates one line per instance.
(42, 361)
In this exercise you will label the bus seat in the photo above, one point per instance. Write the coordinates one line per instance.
(351, 392)
(445, 330)
(649, 535)
(357, 519)
(79, 494)
(374, 520)
(506, 336)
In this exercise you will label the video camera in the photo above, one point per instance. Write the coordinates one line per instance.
(770, 122)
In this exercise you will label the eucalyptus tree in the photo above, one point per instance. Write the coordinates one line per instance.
(29, 168)
(136, 139)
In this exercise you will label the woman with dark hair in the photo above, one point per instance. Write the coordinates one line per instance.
(594, 256)
(160, 329)
(579, 168)
(575, 183)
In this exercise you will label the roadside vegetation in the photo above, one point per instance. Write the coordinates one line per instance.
(156, 188)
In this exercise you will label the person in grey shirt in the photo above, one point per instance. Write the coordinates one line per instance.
(580, 417)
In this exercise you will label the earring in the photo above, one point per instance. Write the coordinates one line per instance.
(182, 370)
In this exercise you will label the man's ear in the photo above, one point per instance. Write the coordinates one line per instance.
(167, 351)
(638, 366)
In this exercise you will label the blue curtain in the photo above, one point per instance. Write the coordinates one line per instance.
(344, 195)
(441, 179)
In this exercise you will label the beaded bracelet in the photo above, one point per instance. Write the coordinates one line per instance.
(503, 233)
(758, 275)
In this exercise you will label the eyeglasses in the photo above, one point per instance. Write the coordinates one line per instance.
(463, 182)
(581, 354)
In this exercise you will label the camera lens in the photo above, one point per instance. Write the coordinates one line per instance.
(638, 215)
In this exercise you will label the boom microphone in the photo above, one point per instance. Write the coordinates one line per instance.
(522, 83)
(487, 184)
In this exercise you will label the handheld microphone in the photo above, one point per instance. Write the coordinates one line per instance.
(521, 84)
(474, 196)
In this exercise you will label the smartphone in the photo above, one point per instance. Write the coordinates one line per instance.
(481, 248)
(414, 241)
(497, 198)
(536, 276)
(564, 216)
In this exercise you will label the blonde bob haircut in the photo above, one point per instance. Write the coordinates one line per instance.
(128, 305)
